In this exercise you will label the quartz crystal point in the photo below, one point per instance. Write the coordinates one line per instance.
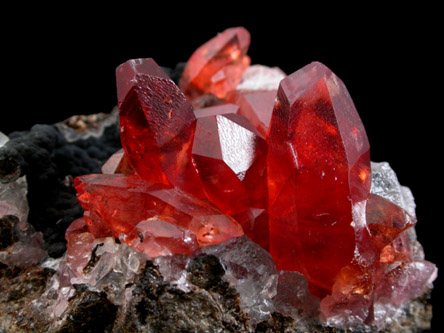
(318, 176)
(217, 66)
(157, 126)
(116, 204)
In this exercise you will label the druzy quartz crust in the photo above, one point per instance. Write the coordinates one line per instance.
(261, 178)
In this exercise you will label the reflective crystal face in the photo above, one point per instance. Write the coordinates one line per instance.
(230, 156)
(157, 126)
(116, 204)
(217, 66)
(318, 150)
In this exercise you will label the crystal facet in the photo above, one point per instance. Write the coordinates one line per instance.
(217, 66)
(102, 197)
(318, 150)
(230, 158)
(157, 125)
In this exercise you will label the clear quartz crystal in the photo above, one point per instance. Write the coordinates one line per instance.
(251, 271)
(173, 270)
(385, 184)
(117, 266)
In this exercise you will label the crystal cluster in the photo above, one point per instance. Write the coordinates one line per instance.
(238, 149)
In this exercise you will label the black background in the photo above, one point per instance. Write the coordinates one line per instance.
(56, 65)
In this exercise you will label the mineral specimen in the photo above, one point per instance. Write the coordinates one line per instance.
(245, 202)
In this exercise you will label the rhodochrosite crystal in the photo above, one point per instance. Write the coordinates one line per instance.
(217, 66)
(157, 125)
(117, 204)
(248, 150)
(318, 176)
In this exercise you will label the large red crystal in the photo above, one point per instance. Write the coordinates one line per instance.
(217, 66)
(157, 126)
(318, 174)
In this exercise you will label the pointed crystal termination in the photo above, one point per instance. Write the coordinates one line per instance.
(318, 150)
(117, 204)
(117, 163)
(157, 126)
(217, 66)
(230, 157)
(256, 106)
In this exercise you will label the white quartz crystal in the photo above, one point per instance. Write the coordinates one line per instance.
(386, 184)
(258, 77)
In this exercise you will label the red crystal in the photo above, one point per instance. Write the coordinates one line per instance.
(386, 223)
(318, 173)
(256, 106)
(157, 126)
(217, 66)
(230, 157)
(119, 203)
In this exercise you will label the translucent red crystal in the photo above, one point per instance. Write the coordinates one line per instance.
(256, 106)
(217, 66)
(157, 126)
(230, 157)
(116, 204)
(318, 172)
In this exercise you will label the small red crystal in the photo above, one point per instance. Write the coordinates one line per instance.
(318, 172)
(256, 106)
(217, 66)
(119, 203)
